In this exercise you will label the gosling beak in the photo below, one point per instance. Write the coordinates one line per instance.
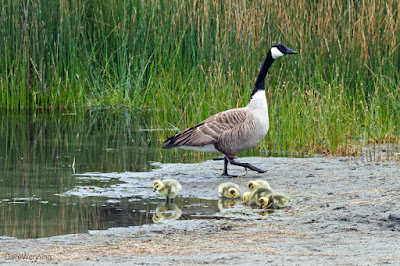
(154, 190)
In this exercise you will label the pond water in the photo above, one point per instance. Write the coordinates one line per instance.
(43, 153)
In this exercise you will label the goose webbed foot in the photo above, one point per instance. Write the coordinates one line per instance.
(226, 175)
(247, 165)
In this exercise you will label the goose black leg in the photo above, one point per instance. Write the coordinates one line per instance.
(247, 165)
(225, 173)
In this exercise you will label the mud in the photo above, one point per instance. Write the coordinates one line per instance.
(343, 211)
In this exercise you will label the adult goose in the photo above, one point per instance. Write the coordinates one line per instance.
(234, 130)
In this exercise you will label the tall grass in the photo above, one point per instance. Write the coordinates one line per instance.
(190, 59)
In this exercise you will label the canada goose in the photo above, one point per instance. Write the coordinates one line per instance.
(258, 193)
(166, 211)
(258, 183)
(234, 130)
(229, 190)
(168, 188)
(274, 200)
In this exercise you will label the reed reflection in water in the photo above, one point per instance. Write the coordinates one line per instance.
(40, 153)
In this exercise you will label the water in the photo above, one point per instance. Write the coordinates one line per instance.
(41, 153)
(46, 156)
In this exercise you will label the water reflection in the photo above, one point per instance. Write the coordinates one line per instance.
(225, 203)
(39, 152)
(167, 211)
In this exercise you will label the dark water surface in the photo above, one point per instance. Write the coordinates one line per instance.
(42, 152)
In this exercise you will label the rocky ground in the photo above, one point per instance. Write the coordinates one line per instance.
(343, 211)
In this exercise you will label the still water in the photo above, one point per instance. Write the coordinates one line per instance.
(42, 153)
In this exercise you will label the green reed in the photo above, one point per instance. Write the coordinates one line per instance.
(190, 59)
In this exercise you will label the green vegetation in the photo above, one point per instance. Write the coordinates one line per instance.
(189, 59)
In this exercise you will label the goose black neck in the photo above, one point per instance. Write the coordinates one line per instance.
(260, 82)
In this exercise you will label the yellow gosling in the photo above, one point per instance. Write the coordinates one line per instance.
(167, 188)
(259, 193)
(229, 190)
(274, 200)
(246, 197)
(253, 184)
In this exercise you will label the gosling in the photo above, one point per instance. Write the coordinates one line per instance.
(258, 183)
(229, 190)
(246, 197)
(168, 188)
(258, 193)
(274, 200)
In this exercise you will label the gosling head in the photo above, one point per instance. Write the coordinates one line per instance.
(246, 197)
(157, 218)
(279, 50)
(252, 185)
(158, 185)
(263, 202)
(233, 193)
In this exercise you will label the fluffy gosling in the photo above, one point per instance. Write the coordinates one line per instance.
(229, 190)
(258, 183)
(258, 193)
(246, 197)
(168, 188)
(274, 200)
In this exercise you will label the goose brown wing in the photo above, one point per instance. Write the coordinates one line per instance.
(208, 131)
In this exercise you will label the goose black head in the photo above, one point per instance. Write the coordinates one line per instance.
(279, 50)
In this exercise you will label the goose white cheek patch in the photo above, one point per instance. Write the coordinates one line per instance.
(275, 53)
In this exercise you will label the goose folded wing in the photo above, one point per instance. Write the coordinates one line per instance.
(210, 130)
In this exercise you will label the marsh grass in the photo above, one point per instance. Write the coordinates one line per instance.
(189, 59)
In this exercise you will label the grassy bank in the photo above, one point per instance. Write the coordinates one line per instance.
(190, 59)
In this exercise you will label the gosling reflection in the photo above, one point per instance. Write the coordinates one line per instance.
(166, 211)
(225, 203)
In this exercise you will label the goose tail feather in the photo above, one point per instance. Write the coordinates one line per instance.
(169, 143)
